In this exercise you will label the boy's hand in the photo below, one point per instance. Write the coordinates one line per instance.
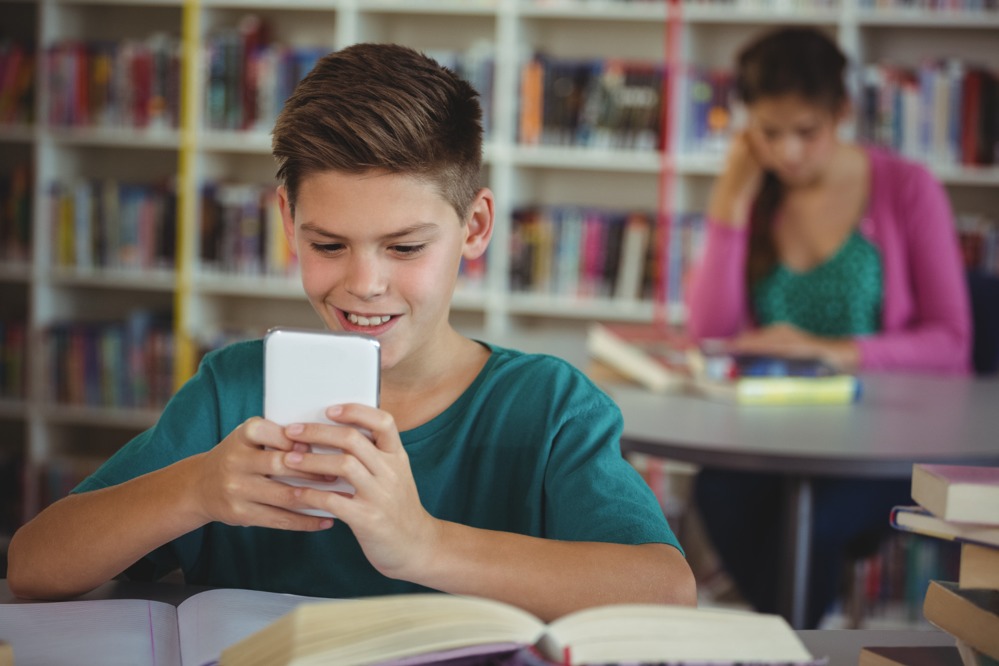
(235, 486)
(397, 534)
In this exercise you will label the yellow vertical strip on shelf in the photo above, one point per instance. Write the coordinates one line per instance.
(187, 191)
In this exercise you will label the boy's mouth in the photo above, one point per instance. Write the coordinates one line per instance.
(366, 320)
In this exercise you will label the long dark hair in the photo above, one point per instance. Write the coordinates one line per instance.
(787, 61)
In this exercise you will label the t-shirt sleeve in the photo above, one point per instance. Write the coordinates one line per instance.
(592, 492)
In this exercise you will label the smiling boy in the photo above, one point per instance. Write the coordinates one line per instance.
(487, 471)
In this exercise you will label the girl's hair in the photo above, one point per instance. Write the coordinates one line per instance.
(787, 61)
(382, 107)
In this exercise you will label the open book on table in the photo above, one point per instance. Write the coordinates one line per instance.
(246, 628)
(136, 632)
(439, 628)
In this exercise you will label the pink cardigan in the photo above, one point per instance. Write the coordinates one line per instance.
(926, 314)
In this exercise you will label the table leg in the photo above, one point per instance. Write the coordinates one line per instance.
(797, 550)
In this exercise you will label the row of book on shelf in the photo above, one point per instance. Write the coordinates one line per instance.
(115, 364)
(944, 111)
(107, 223)
(956, 503)
(569, 251)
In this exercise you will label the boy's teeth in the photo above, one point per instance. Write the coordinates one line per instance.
(357, 320)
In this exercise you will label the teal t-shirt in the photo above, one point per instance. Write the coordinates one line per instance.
(840, 297)
(531, 447)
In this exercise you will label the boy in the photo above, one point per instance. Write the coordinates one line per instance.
(487, 472)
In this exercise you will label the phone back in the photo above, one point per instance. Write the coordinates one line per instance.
(305, 372)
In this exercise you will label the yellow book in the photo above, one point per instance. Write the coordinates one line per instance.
(830, 390)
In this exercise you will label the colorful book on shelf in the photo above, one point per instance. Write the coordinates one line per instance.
(437, 628)
(910, 655)
(959, 493)
(919, 520)
(970, 615)
(652, 355)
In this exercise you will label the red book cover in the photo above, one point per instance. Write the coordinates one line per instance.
(970, 109)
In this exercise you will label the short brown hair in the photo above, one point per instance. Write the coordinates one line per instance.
(382, 107)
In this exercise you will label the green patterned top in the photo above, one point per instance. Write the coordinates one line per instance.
(840, 297)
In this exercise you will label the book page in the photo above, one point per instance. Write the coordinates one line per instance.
(105, 632)
(212, 621)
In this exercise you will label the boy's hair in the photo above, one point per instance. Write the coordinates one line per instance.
(382, 107)
(800, 61)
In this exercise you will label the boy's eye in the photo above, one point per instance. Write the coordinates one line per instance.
(327, 248)
(408, 250)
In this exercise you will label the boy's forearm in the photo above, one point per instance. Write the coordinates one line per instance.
(551, 578)
(85, 540)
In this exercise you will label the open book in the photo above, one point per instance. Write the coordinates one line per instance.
(136, 632)
(440, 628)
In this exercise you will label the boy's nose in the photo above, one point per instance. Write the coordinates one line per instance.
(365, 278)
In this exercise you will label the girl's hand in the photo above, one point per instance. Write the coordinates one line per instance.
(791, 342)
(736, 188)
(397, 534)
(235, 487)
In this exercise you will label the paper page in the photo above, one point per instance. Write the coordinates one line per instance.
(212, 621)
(105, 632)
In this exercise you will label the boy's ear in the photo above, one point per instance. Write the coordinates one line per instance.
(287, 219)
(480, 225)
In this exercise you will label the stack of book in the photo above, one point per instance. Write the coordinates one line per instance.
(958, 503)
(662, 359)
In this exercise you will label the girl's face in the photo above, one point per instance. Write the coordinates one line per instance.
(793, 137)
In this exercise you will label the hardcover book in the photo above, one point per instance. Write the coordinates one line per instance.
(970, 615)
(918, 519)
(961, 493)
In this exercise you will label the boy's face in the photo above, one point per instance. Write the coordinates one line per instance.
(379, 255)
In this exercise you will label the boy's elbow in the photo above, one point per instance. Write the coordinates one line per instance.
(18, 573)
(682, 588)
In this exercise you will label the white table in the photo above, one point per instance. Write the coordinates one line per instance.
(899, 420)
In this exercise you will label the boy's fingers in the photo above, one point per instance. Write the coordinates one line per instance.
(379, 423)
(262, 432)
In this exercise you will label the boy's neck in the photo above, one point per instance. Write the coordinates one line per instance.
(416, 395)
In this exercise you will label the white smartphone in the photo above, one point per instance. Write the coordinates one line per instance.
(305, 372)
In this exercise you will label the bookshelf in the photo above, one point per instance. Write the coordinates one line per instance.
(179, 146)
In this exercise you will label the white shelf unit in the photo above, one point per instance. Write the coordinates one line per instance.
(519, 175)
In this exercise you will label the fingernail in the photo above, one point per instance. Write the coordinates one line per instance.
(334, 411)
(325, 524)
(295, 429)
(293, 458)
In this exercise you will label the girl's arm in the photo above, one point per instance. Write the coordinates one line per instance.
(938, 337)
